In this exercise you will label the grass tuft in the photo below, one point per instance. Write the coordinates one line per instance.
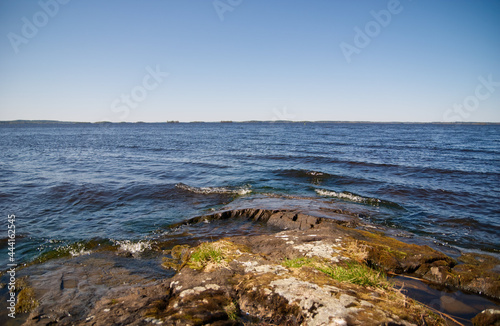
(357, 251)
(297, 262)
(351, 272)
(208, 253)
(232, 311)
(356, 273)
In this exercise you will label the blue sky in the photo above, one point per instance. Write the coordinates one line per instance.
(159, 60)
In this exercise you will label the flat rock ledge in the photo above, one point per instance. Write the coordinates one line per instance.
(477, 273)
(285, 278)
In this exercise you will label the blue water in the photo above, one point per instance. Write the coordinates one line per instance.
(74, 182)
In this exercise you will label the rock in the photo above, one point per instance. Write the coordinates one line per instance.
(320, 305)
(477, 273)
(283, 219)
(455, 307)
(487, 317)
(248, 282)
(437, 274)
(293, 220)
(318, 249)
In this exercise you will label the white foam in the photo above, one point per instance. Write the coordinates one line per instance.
(340, 195)
(213, 190)
(74, 250)
(344, 195)
(243, 191)
(133, 247)
(81, 252)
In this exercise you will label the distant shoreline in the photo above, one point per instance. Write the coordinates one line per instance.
(9, 122)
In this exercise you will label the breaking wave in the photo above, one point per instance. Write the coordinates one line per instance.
(133, 247)
(349, 196)
(214, 190)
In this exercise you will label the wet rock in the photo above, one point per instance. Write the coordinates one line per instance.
(293, 220)
(477, 273)
(284, 219)
(399, 257)
(438, 274)
(487, 317)
(69, 290)
(453, 306)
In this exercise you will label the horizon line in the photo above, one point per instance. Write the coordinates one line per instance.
(20, 121)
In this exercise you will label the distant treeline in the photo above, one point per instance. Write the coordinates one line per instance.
(251, 121)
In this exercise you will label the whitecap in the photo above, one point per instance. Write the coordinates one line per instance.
(133, 247)
(81, 252)
(214, 190)
(347, 196)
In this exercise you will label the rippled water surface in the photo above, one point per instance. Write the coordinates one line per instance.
(69, 183)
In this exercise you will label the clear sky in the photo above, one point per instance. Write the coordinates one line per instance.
(199, 60)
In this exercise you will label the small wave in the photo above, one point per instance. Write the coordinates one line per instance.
(133, 247)
(344, 195)
(349, 196)
(213, 190)
(55, 248)
(84, 196)
(74, 249)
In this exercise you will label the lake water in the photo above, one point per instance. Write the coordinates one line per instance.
(70, 183)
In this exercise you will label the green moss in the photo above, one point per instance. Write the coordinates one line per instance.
(170, 263)
(26, 301)
(179, 252)
(397, 253)
(179, 257)
(479, 259)
(68, 250)
(21, 283)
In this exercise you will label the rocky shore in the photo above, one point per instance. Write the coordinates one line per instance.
(311, 271)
